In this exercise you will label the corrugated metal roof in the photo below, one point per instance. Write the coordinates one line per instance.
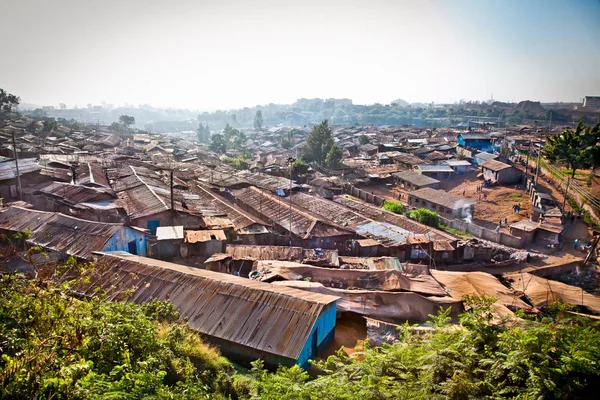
(204, 236)
(73, 236)
(169, 232)
(8, 169)
(495, 165)
(277, 210)
(258, 315)
(442, 198)
(245, 252)
(387, 280)
(18, 219)
(75, 194)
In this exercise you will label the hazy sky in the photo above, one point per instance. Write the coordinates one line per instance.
(222, 54)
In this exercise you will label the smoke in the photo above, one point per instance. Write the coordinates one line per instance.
(466, 211)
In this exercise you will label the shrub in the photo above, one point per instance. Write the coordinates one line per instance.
(425, 216)
(393, 206)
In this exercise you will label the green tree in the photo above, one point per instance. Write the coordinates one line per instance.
(127, 120)
(258, 120)
(299, 167)
(318, 143)
(218, 144)
(49, 125)
(287, 141)
(8, 101)
(334, 156)
(203, 133)
(363, 139)
(39, 113)
(570, 147)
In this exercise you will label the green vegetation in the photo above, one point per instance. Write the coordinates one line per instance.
(555, 357)
(203, 133)
(319, 143)
(238, 162)
(8, 101)
(587, 217)
(299, 167)
(363, 139)
(258, 120)
(334, 156)
(577, 149)
(455, 231)
(516, 196)
(393, 206)
(127, 121)
(218, 143)
(49, 125)
(287, 141)
(53, 345)
(425, 216)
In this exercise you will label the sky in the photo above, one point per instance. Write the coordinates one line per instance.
(223, 54)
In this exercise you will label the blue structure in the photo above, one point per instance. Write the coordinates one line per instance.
(480, 141)
(129, 240)
(320, 336)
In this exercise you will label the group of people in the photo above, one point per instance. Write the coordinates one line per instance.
(516, 208)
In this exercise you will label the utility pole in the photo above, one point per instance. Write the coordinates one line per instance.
(172, 198)
(290, 162)
(537, 166)
(17, 165)
(566, 192)
(527, 162)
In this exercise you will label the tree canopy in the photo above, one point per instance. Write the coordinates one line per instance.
(258, 120)
(334, 156)
(363, 139)
(319, 143)
(218, 144)
(8, 101)
(127, 120)
(203, 133)
(576, 148)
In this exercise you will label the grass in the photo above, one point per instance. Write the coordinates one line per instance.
(516, 195)
(454, 231)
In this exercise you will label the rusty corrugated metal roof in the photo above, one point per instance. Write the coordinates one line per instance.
(204, 236)
(258, 315)
(18, 219)
(73, 236)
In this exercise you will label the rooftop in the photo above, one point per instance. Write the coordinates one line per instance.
(415, 178)
(441, 198)
(434, 168)
(258, 315)
(495, 165)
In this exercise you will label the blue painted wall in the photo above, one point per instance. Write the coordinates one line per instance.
(120, 241)
(481, 144)
(323, 332)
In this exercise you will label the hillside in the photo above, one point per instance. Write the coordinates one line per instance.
(56, 346)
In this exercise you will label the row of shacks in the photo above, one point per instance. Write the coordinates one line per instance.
(232, 207)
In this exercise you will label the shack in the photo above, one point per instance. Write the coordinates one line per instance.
(501, 173)
(435, 171)
(445, 204)
(203, 243)
(460, 167)
(246, 319)
(413, 180)
(72, 236)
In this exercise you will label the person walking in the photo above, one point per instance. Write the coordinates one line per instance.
(576, 242)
